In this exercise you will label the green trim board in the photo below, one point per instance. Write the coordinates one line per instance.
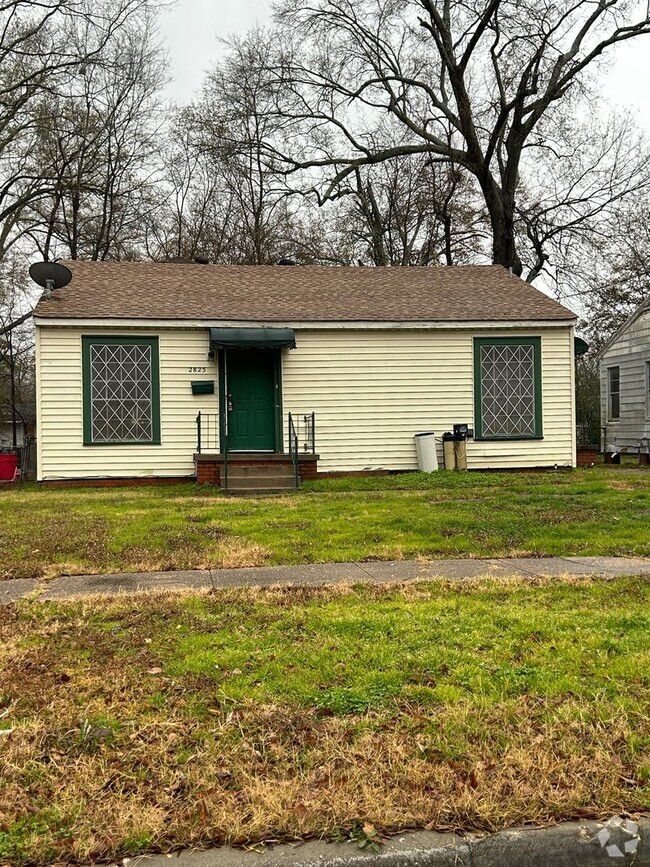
(536, 344)
(98, 340)
(277, 386)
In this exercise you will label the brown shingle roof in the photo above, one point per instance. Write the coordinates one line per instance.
(276, 293)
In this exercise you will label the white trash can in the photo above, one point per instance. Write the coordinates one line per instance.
(425, 447)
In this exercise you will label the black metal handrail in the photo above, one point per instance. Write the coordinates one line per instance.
(302, 438)
(207, 432)
(293, 449)
(210, 439)
(309, 439)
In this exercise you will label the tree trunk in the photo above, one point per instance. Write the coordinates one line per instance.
(501, 209)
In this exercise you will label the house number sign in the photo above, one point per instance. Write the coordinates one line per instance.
(196, 369)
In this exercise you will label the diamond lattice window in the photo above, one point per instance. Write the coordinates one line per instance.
(508, 392)
(121, 392)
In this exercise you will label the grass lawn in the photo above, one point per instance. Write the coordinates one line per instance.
(44, 532)
(240, 716)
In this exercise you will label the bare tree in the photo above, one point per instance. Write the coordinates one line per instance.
(470, 83)
(97, 144)
(583, 174)
(228, 128)
(616, 278)
(17, 395)
(412, 211)
(223, 198)
(41, 46)
(194, 214)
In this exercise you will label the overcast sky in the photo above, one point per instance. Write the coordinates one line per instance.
(192, 28)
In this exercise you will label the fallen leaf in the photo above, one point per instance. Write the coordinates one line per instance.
(223, 775)
(155, 670)
(301, 813)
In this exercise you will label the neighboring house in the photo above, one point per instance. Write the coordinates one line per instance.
(625, 386)
(129, 354)
(25, 424)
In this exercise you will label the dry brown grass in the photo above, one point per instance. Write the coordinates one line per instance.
(110, 755)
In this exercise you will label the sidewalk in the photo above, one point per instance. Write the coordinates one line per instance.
(569, 844)
(319, 574)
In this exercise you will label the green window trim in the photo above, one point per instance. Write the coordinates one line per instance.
(536, 343)
(98, 340)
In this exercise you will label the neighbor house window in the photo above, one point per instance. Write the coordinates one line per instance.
(508, 388)
(613, 393)
(121, 391)
(647, 389)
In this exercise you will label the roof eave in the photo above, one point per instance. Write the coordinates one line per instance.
(304, 325)
(631, 319)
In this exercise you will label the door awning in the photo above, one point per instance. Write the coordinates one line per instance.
(580, 346)
(252, 338)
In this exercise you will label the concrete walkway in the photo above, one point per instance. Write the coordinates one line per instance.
(570, 844)
(319, 574)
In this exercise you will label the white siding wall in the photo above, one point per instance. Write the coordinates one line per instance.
(629, 353)
(61, 452)
(372, 391)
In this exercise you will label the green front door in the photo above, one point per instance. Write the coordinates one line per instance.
(250, 383)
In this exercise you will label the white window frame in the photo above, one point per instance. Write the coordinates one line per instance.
(610, 416)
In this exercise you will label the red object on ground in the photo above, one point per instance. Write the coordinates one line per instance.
(8, 465)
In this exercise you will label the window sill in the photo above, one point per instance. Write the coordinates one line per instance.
(125, 443)
(507, 439)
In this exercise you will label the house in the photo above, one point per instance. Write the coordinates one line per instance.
(171, 371)
(625, 387)
(7, 430)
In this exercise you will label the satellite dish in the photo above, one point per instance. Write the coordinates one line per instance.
(50, 275)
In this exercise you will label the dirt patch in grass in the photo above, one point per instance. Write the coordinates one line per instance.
(39, 548)
(250, 715)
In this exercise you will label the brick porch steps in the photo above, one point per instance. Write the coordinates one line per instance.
(254, 471)
(261, 477)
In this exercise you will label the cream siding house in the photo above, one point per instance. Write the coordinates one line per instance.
(182, 371)
(625, 387)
